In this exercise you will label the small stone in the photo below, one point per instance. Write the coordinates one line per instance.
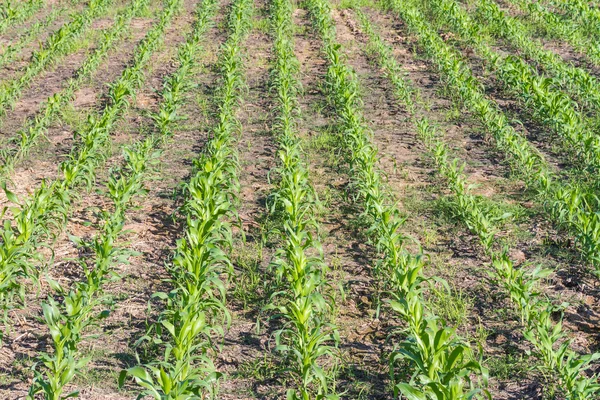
(518, 256)
(501, 339)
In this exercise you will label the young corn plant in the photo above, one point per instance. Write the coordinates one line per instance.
(582, 13)
(306, 337)
(552, 108)
(124, 184)
(27, 137)
(69, 312)
(60, 43)
(11, 51)
(15, 12)
(195, 309)
(569, 204)
(581, 84)
(522, 287)
(443, 362)
(557, 27)
(39, 217)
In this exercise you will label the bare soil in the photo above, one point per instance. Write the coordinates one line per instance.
(246, 355)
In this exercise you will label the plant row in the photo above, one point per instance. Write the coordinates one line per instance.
(79, 308)
(27, 137)
(60, 43)
(557, 27)
(43, 214)
(11, 51)
(549, 106)
(443, 362)
(583, 85)
(306, 337)
(14, 12)
(582, 13)
(69, 311)
(195, 312)
(521, 286)
(573, 206)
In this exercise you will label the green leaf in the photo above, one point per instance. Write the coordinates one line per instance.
(410, 393)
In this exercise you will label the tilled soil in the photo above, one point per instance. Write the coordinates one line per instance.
(246, 354)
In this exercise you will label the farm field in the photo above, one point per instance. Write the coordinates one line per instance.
(315, 199)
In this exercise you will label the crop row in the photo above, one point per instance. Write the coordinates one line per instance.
(11, 51)
(196, 309)
(521, 286)
(43, 214)
(551, 107)
(569, 205)
(14, 12)
(71, 310)
(444, 363)
(59, 44)
(301, 299)
(581, 13)
(560, 28)
(583, 85)
(27, 136)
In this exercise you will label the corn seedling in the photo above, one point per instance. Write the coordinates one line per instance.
(15, 12)
(59, 44)
(195, 309)
(521, 286)
(443, 362)
(306, 337)
(27, 137)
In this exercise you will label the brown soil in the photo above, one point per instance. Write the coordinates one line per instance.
(247, 340)
(483, 168)
(566, 51)
(246, 354)
(152, 230)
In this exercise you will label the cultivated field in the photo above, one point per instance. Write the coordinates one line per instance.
(322, 199)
